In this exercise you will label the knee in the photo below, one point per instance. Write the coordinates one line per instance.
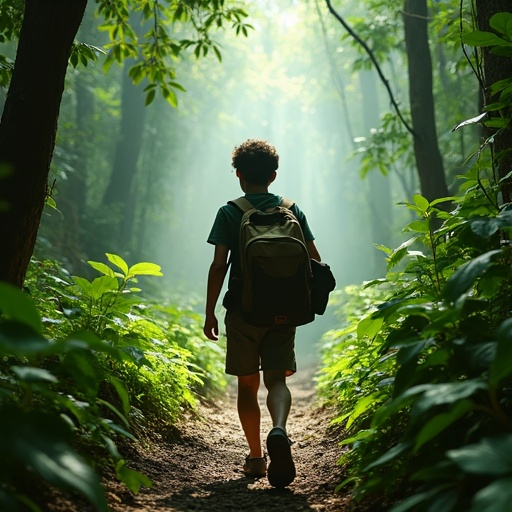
(249, 383)
(273, 377)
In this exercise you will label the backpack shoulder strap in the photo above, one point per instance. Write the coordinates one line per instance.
(242, 204)
(286, 203)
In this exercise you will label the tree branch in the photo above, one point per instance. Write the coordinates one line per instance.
(375, 63)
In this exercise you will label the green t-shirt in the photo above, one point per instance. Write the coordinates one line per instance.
(226, 227)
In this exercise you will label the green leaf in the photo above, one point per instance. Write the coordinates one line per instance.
(447, 393)
(485, 227)
(146, 269)
(369, 327)
(31, 374)
(421, 202)
(41, 441)
(102, 285)
(363, 405)
(421, 226)
(391, 454)
(101, 267)
(362, 434)
(134, 480)
(491, 456)
(496, 497)
(466, 275)
(18, 338)
(118, 262)
(122, 391)
(502, 23)
(83, 284)
(482, 38)
(16, 305)
(439, 423)
(421, 498)
(501, 366)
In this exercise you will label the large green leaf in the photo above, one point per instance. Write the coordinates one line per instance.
(501, 366)
(16, 305)
(30, 374)
(496, 497)
(134, 480)
(145, 269)
(41, 441)
(19, 338)
(102, 285)
(440, 422)
(482, 38)
(491, 456)
(118, 262)
(101, 267)
(446, 393)
(465, 276)
(391, 454)
(502, 23)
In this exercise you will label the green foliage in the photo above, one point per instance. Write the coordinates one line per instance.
(85, 364)
(421, 371)
(156, 49)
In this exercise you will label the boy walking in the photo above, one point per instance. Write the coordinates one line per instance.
(251, 348)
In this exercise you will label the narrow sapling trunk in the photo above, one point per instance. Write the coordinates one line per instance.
(29, 125)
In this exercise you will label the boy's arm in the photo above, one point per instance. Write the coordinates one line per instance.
(313, 251)
(216, 277)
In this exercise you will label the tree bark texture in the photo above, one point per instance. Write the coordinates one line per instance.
(428, 157)
(496, 68)
(29, 125)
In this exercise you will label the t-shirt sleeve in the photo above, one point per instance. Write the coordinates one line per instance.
(220, 233)
(303, 221)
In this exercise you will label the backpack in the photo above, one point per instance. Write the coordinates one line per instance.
(276, 272)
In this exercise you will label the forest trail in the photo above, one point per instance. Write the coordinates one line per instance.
(199, 466)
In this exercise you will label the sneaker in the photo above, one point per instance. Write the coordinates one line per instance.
(281, 470)
(255, 467)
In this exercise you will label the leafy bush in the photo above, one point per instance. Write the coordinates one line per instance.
(423, 378)
(83, 365)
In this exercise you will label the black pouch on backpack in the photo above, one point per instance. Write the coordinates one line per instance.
(323, 284)
(233, 297)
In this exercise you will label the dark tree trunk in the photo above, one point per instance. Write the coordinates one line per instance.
(120, 192)
(29, 125)
(497, 68)
(428, 157)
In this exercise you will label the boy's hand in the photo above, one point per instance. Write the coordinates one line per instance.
(211, 328)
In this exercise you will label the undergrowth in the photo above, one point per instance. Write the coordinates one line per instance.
(86, 366)
(421, 368)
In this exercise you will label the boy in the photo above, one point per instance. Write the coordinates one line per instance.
(250, 348)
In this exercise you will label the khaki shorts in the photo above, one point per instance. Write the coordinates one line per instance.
(250, 349)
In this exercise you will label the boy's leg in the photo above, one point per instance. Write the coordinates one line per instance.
(249, 411)
(279, 399)
(281, 471)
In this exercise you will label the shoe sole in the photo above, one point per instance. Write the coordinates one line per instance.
(281, 470)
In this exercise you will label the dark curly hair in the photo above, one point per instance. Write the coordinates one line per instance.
(256, 160)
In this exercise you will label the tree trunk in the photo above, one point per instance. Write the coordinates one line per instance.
(379, 185)
(428, 157)
(120, 190)
(29, 125)
(497, 68)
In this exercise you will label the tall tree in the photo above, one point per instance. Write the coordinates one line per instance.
(429, 161)
(29, 126)
(29, 122)
(497, 67)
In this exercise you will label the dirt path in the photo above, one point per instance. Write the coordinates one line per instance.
(198, 468)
